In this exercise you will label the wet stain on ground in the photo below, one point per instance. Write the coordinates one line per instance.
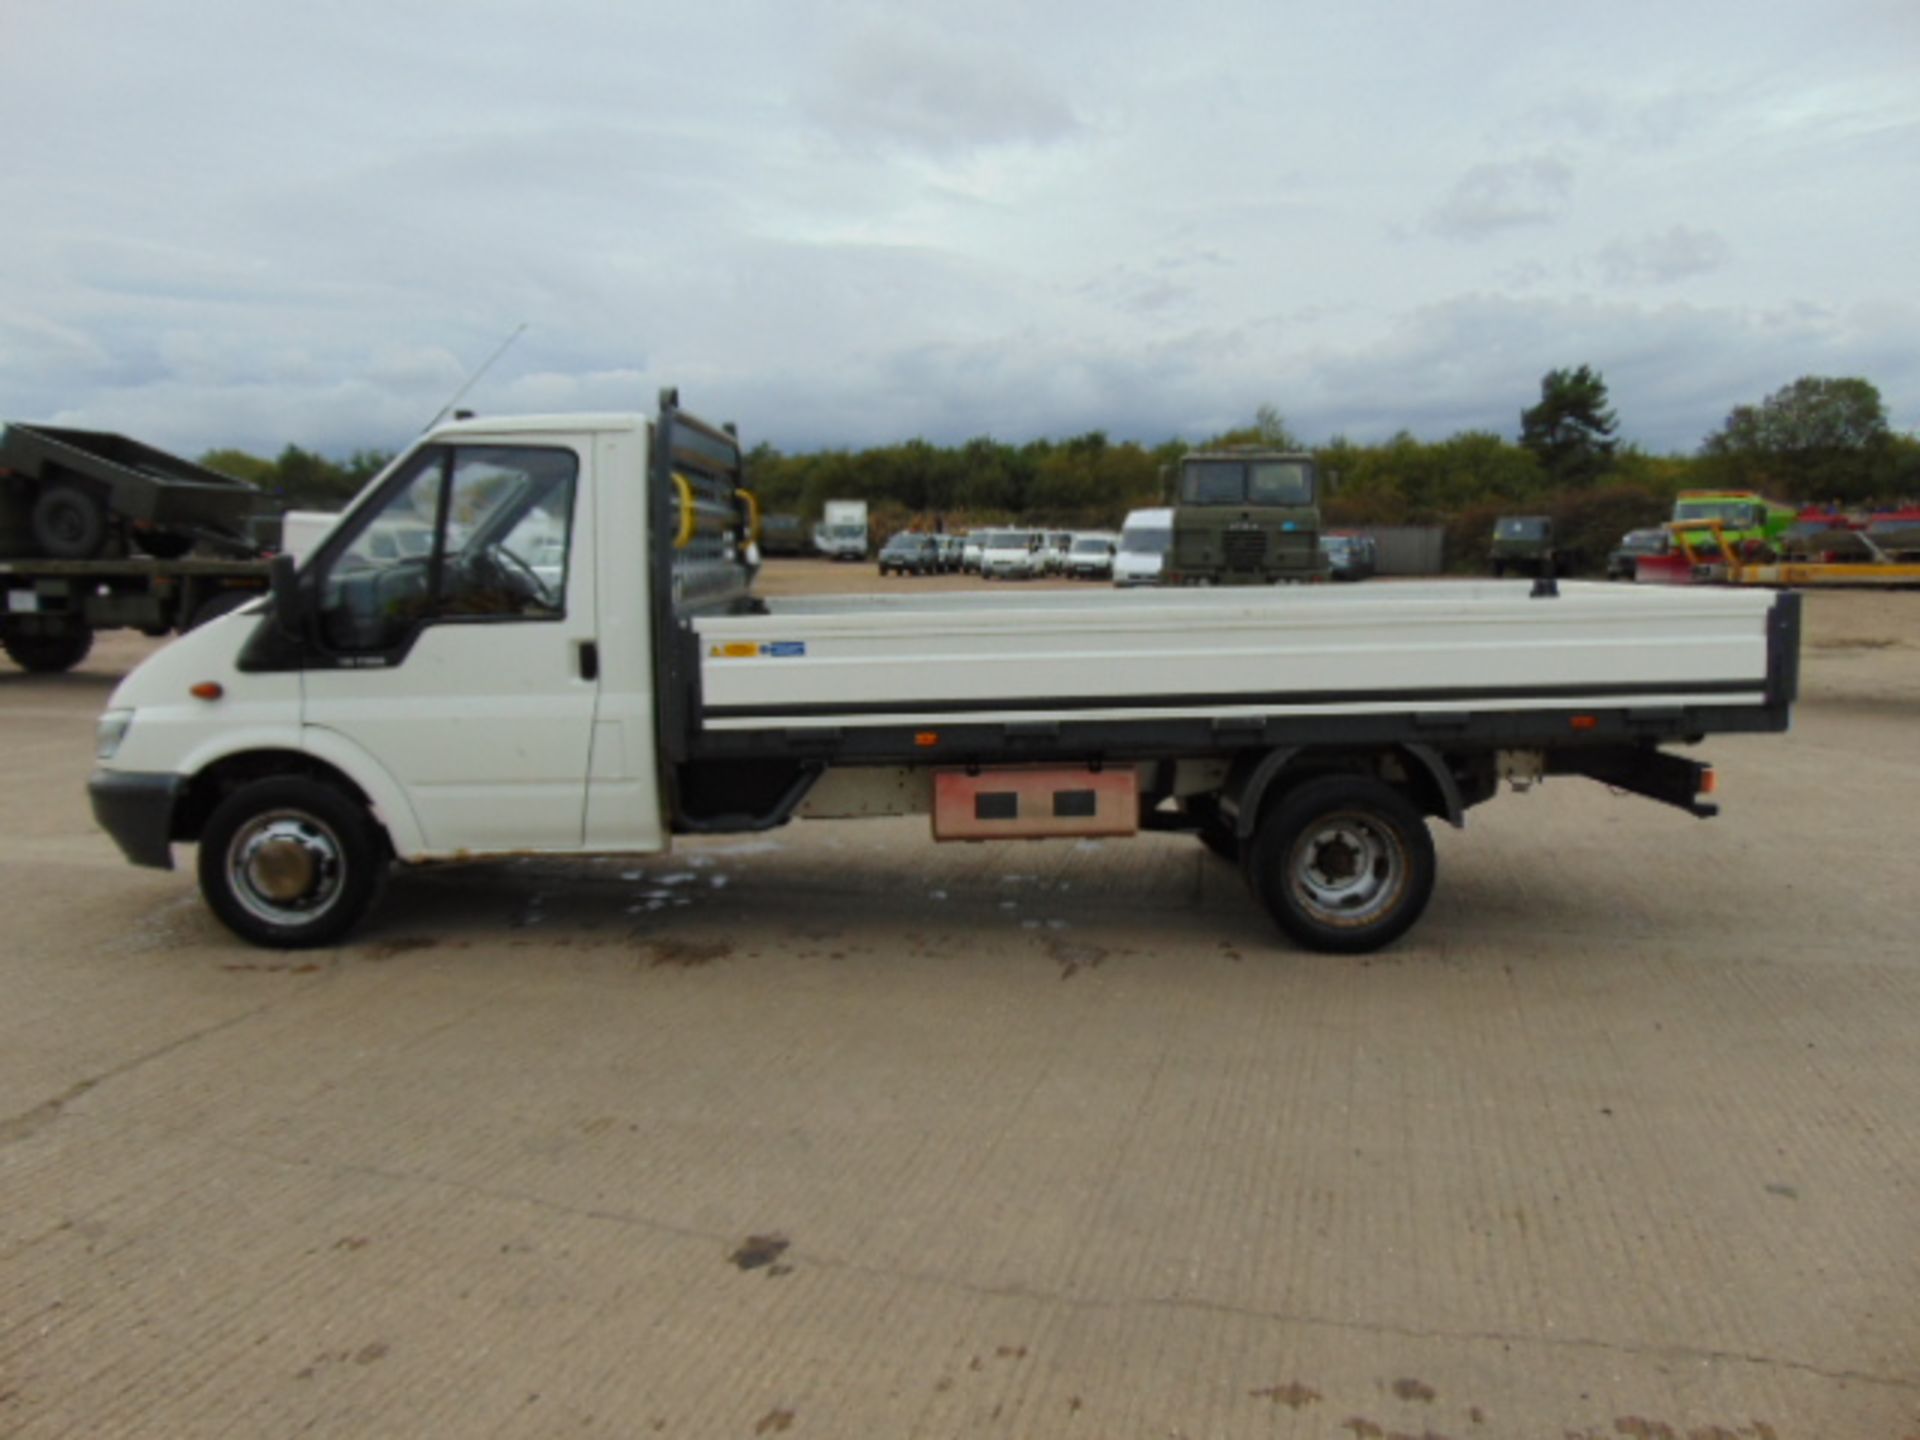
(399, 945)
(757, 1252)
(773, 1422)
(1414, 1390)
(1293, 1394)
(367, 1354)
(1638, 1427)
(688, 954)
(1073, 957)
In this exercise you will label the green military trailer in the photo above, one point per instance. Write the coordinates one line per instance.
(1245, 516)
(99, 531)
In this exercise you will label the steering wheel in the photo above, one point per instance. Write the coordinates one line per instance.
(520, 570)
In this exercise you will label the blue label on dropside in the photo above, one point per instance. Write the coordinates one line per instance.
(784, 649)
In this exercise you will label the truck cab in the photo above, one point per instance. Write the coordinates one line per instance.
(1245, 517)
(1524, 544)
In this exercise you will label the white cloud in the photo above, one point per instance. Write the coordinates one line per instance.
(1677, 253)
(856, 222)
(1499, 196)
(902, 86)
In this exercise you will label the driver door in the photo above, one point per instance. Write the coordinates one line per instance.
(452, 641)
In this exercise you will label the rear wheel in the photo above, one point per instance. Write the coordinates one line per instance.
(290, 862)
(47, 652)
(1343, 863)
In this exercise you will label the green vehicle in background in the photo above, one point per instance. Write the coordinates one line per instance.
(1747, 519)
(1524, 544)
(1245, 517)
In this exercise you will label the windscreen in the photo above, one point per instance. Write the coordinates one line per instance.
(1146, 540)
(1727, 512)
(1247, 482)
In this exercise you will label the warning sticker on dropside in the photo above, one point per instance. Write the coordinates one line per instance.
(746, 650)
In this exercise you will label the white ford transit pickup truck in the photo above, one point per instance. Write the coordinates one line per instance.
(457, 700)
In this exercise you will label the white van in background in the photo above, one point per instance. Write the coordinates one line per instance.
(1145, 539)
(1010, 555)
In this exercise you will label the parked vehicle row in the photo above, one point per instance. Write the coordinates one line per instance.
(1135, 556)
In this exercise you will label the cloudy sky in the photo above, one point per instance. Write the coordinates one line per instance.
(237, 223)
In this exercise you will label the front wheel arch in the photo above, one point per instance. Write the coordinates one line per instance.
(220, 779)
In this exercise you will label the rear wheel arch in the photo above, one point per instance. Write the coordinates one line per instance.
(1259, 781)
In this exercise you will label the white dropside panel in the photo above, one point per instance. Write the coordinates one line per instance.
(1111, 655)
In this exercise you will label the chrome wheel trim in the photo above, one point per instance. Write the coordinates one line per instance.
(286, 867)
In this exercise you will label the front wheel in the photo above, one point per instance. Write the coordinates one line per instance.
(1343, 863)
(290, 863)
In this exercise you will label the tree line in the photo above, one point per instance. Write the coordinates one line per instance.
(1817, 440)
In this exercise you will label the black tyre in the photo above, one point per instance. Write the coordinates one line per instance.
(291, 863)
(47, 652)
(68, 523)
(1343, 863)
(222, 602)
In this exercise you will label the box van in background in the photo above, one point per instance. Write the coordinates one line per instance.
(1145, 539)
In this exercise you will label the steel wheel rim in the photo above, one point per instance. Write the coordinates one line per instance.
(286, 867)
(1347, 870)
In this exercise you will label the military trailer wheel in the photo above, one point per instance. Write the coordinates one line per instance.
(1343, 863)
(290, 863)
(68, 523)
(46, 652)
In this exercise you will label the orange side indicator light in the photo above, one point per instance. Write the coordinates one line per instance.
(1585, 722)
(927, 739)
(1709, 782)
(206, 690)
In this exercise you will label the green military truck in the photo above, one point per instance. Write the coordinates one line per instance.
(100, 532)
(1245, 516)
(1524, 544)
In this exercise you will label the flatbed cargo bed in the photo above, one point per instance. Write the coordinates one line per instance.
(1435, 648)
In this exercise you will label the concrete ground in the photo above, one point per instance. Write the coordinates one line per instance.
(835, 1132)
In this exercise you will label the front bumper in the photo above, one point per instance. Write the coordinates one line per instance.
(136, 809)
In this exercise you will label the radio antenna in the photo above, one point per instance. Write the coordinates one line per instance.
(474, 378)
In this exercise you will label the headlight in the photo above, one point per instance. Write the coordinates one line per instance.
(111, 730)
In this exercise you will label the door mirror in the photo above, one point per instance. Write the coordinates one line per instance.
(285, 589)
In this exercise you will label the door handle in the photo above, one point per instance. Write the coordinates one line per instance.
(589, 654)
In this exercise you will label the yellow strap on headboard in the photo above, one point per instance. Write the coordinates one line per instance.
(685, 537)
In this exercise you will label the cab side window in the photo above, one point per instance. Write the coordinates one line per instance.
(474, 533)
